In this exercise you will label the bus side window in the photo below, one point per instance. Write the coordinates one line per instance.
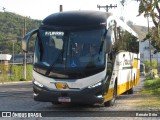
(124, 40)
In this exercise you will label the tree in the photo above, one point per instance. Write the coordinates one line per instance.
(147, 64)
(11, 28)
(152, 8)
(154, 64)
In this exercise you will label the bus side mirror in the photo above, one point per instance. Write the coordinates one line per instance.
(108, 41)
(25, 41)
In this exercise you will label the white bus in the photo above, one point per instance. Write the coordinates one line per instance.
(83, 57)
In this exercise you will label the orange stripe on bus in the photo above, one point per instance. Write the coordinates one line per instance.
(135, 63)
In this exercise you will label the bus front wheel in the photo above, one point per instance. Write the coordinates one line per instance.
(56, 103)
(112, 101)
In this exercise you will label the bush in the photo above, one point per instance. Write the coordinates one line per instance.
(17, 72)
(3, 73)
(22, 79)
(147, 65)
(152, 86)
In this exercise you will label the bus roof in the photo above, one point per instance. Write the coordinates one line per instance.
(85, 19)
(76, 19)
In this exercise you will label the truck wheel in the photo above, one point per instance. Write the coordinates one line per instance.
(112, 101)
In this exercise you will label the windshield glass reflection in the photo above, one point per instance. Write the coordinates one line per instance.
(76, 51)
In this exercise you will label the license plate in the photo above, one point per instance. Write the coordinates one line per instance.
(64, 99)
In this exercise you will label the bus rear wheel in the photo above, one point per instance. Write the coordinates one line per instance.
(112, 101)
(130, 91)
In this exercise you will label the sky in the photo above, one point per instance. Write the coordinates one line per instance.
(39, 9)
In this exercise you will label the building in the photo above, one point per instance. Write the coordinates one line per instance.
(18, 59)
(145, 52)
(5, 58)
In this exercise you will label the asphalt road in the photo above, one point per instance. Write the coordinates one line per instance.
(18, 97)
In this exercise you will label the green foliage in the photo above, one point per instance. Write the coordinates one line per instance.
(155, 38)
(152, 8)
(148, 6)
(147, 65)
(12, 26)
(17, 72)
(154, 64)
(29, 72)
(152, 87)
(3, 73)
(125, 41)
(3, 68)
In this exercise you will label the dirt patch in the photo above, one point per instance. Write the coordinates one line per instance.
(149, 102)
(138, 102)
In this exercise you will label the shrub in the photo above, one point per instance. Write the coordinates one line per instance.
(17, 72)
(147, 65)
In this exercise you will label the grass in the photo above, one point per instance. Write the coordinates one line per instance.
(149, 102)
(151, 94)
(152, 87)
(14, 73)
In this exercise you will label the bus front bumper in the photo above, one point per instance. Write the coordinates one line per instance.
(86, 96)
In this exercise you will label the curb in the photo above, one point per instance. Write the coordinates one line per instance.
(16, 82)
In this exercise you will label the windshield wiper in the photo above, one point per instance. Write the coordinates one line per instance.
(52, 65)
(40, 46)
(100, 49)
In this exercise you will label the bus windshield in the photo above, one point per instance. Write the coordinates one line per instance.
(60, 50)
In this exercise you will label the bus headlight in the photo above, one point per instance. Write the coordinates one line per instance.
(38, 84)
(95, 85)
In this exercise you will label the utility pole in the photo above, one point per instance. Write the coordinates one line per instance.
(4, 9)
(13, 50)
(150, 54)
(61, 8)
(107, 7)
(24, 59)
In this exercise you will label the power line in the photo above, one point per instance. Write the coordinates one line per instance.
(107, 7)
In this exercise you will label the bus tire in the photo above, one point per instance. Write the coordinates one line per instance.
(130, 91)
(56, 103)
(112, 101)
